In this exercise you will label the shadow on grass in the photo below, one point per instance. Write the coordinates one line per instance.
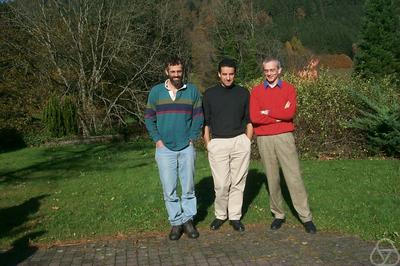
(285, 193)
(206, 195)
(15, 216)
(11, 219)
(255, 180)
(21, 249)
(68, 158)
(286, 196)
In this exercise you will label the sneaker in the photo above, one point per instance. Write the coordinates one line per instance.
(216, 224)
(277, 223)
(310, 227)
(176, 232)
(237, 225)
(190, 230)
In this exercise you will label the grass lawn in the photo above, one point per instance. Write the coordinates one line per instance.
(71, 193)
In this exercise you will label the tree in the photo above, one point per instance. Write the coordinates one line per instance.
(243, 33)
(103, 54)
(21, 93)
(379, 119)
(378, 52)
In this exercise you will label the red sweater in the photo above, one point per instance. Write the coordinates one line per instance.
(279, 102)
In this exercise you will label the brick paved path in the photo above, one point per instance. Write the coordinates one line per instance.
(256, 246)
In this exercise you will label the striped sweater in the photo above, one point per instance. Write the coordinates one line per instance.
(177, 122)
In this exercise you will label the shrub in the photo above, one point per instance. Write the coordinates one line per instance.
(325, 108)
(60, 117)
(69, 115)
(379, 118)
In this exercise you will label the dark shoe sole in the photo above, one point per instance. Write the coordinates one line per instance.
(174, 238)
(193, 236)
(237, 228)
(190, 230)
(277, 226)
(216, 226)
(310, 228)
(176, 235)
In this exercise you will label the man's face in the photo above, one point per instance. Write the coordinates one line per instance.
(227, 76)
(271, 71)
(175, 75)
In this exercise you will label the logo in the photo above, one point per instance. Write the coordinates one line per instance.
(385, 253)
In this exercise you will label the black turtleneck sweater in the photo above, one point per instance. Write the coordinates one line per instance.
(226, 110)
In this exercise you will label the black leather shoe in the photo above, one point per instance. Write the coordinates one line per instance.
(176, 232)
(190, 230)
(310, 227)
(216, 224)
(277, 223)
(237, 225)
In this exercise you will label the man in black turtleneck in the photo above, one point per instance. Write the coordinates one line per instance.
(227, 135)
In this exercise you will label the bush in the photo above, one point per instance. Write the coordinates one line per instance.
(379, 118)
(325, 109)
(37, 137)
(60, 117)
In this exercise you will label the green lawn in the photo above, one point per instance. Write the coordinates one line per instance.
(91, 191)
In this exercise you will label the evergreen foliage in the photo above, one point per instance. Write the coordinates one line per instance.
(52, 117)
(378, 51)
(60, 117)
(322, 26)
(379, 120)
(243, 33)
(70, 116)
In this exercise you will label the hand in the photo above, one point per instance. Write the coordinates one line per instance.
(264, 112)
(160, 144)
(206, 141)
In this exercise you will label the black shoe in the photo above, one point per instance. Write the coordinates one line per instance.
(190, 230)
(176, 232)
(237, 225)
(310, 227)
(277, 223)
(216, 224)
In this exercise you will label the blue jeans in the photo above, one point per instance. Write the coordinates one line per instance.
(171, 165)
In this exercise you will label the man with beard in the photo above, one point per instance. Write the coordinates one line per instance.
(227, 136)
(272, 109)
(174, 119)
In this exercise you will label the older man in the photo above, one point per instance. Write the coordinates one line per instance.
(272, 109)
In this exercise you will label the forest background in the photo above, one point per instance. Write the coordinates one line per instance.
(84, 68)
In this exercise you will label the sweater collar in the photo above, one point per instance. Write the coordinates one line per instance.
(267, 85)
(166, 85)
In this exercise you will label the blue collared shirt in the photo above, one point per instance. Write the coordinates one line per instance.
(267, 85)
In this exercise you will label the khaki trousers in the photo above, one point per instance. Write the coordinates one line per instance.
(229, 162)
(281, 150)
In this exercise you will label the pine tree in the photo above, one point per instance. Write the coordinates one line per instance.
(378, 52)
